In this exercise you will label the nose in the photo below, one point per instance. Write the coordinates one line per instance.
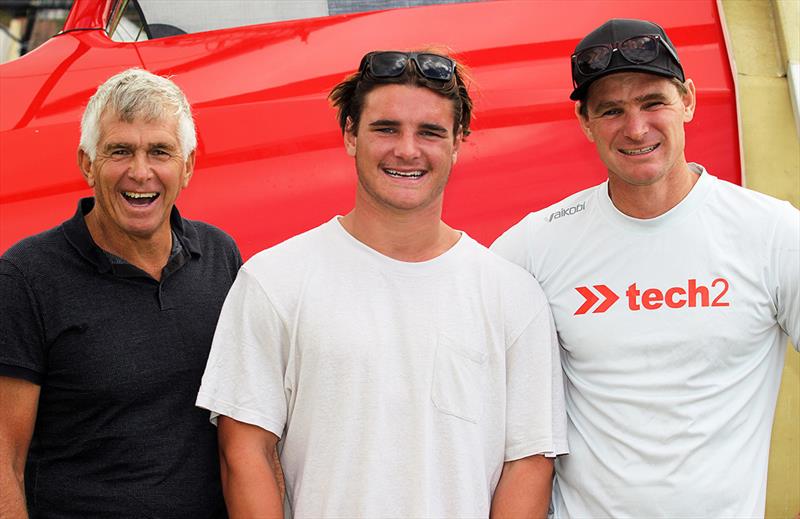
(636, 126)
(406, 146)
(139, 169)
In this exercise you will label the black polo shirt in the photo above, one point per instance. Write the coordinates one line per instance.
(119, 357)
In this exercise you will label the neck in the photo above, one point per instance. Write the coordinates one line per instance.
(149, 254)
(652, 200)
(411, 237)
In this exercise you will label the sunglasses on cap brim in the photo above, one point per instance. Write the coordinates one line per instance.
(389, 64)
(637, 50)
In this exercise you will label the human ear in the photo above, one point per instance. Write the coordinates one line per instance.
(583, 121)
(457, 140)
(85, 165)
(350, 138)
(689, 101)
(188, 169)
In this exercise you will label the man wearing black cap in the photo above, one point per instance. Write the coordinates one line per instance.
(673, 294)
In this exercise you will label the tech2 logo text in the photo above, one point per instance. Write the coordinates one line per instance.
(693, 296)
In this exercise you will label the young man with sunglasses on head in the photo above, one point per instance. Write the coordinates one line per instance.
(673, 295)
(393, 356)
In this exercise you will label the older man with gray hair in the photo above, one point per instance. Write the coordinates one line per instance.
(107, 323)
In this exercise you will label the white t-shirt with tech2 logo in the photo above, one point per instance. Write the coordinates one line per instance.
(673, 334)
(398, 389)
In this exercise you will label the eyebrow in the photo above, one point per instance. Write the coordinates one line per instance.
(385, 122)
(162, 145)
(599, 107)
(653, 96)
(116, 145)
(425, 126)
(128, 146)
(433, 127)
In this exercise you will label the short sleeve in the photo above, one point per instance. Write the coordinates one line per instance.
(536, 420)
(785, 264)
(244, 376)
(22, 342)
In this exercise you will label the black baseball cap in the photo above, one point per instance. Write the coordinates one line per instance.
(614, 32)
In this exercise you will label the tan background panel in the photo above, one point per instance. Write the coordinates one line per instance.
(765, 36)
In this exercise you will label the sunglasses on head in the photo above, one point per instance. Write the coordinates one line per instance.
(387, 64)
(638, 50)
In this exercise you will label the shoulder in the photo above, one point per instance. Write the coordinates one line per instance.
(512, 281)
(292, 256)
(753, 210)
(550, 226)
(569, 211)
(491, 262)
(208, 234)
(510, 294)
(751, 198)
(212, 243)
(278, 277)
(43, 251)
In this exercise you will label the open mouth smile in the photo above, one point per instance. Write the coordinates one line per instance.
(404, 174)
(639, 151)
(140, 199)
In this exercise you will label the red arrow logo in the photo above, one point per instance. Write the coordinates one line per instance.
(609, 299)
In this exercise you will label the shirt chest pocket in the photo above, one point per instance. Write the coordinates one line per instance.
(458, 380)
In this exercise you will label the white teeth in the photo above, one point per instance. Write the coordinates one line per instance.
(131, 194)
(404, 174)
(640, 151)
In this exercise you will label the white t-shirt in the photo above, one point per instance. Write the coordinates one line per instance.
(673, 332)
(398, 389)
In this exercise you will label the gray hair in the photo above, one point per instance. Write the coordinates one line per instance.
(137, 93)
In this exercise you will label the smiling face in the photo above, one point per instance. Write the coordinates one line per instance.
(636, 122)
(136, 176)
(404, 149)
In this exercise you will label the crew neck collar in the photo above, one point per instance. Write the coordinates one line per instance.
(692, 200)
(405, 267)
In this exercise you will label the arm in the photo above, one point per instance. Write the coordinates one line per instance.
(785, 263)
(535, 417)
(524, 488)
(249, 470)
(19, 400)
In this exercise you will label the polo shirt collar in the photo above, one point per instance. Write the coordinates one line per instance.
(77, 234)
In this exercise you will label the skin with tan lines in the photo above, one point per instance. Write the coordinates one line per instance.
(404, 149)
(636, 122)
(136, 176)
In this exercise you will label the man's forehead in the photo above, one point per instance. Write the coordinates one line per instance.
(406, 100)
(112, 122)
(112, 117)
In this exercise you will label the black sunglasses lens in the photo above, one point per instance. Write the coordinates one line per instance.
(435, 67)
(593, 60)
(641, 49)
(388, 64)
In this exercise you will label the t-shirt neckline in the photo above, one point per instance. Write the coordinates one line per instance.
(693, 199)
(406, 267)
